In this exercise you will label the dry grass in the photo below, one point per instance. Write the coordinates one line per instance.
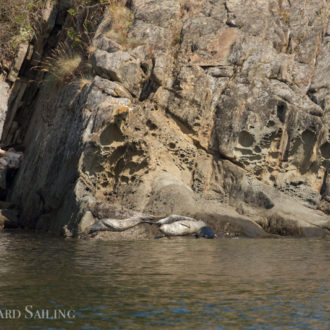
(83, 81)
(63, 64)
(66, 67)
(17, 18)
(121, 21)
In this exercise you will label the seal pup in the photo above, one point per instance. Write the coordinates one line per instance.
(120, 225)
(178, 225)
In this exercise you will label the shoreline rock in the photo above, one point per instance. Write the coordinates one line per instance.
(196, 113)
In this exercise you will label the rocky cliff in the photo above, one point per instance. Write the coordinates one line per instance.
(214, 109)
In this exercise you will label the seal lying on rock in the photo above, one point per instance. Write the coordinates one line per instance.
(173, 218)
(178, 225)
(119, 225)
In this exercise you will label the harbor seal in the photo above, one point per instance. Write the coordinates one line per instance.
(119, 225)
(182, 227)
(206, 232)
(173, 218)
(178, 225)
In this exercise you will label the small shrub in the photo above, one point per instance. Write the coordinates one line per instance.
(63, 64)
(176, 40)
(67, 66)
(283, 13)
(73, 35)
(121, 21)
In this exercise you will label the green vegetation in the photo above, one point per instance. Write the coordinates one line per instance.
(176, 40)
(84, 17)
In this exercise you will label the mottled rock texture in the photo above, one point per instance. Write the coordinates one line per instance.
(3, 103)
(214, 109)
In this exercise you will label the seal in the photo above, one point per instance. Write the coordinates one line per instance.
(206, 232)
(120, 225)
(182, 227)
(173, 218)
(178, 225)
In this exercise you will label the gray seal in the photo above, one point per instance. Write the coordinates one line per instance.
(119, 225)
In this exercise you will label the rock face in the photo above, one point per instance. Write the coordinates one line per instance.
(217, 110)
(3, 103)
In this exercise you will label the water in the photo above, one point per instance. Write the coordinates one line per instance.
(182, 284)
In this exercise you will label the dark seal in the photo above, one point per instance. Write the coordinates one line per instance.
(206, 232)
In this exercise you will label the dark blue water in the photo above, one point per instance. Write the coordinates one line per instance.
(182, 284)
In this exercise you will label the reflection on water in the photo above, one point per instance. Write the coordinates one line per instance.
(184, 284)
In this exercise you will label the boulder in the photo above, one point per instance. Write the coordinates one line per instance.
(119, 66)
